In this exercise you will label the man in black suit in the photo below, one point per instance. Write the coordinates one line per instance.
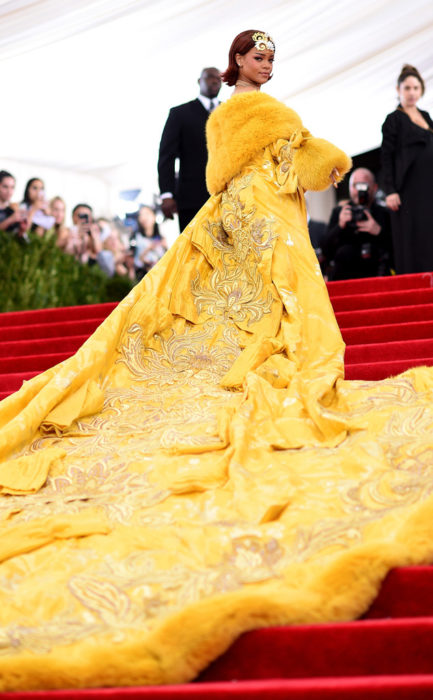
(184, 138)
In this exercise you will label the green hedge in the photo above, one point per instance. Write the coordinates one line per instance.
(37, 275)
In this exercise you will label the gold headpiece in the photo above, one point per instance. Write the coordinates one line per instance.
(263, 42)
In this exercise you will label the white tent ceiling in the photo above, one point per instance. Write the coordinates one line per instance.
(86, 84)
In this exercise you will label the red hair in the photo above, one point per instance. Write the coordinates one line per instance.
(242, 43)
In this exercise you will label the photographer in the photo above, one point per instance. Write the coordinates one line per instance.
(84, 241)
(357, 242)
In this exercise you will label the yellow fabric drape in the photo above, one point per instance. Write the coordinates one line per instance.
(232, 478)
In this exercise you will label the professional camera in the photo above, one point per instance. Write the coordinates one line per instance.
(358, 210)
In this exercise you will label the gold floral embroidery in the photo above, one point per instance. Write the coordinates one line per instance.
(235, 289)
(187, 358)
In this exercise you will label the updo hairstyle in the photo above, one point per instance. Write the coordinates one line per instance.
(408, 71)
(242, 43)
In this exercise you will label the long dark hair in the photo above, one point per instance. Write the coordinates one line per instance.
(26, 198)
(242, 43)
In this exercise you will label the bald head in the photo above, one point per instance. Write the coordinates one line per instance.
(210, 82)
(362, 179)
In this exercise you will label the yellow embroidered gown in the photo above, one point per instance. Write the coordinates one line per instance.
(200, 467)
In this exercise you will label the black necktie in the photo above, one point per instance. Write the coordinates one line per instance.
(211, 106)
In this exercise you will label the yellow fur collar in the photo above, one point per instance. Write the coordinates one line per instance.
(241, 127)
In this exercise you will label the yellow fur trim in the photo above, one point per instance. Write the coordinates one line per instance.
(241, 127)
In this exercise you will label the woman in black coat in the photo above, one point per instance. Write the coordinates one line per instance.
(407, 165)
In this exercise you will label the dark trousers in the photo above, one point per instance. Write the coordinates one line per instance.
(185, 216)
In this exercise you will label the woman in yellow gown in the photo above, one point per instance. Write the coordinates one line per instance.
(200, 467)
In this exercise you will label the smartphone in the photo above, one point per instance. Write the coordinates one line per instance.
(85, 220)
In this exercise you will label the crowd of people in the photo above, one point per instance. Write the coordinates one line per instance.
(115, 248)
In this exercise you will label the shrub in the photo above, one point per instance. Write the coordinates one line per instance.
(37, 274)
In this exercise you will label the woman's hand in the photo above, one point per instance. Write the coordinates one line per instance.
(393, 201)
(334, 175)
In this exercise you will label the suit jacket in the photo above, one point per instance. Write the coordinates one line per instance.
(184, 137)
(401, 144)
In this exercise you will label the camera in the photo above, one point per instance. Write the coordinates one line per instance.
(358, 210)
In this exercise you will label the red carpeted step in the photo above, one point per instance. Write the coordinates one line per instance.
(31, 363)
(387, 332)
(17, 348)
(50, 330)
(383, 352)
(374, 371)
(414, 687)
(13, 381)
(380, 284)
(379, 317)
(405, 592)
(36, 316)
(369, 647)
(352, 302)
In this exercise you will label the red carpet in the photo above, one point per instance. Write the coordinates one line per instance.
(387, 324)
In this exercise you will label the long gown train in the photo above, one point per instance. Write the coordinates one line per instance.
(200, 467)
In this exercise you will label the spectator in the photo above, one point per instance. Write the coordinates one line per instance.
(35, 204)
(122, 260)
(147, 242)
(11, 219)
(84, 239)
(357, 242)
(407, 165)
(59, 231)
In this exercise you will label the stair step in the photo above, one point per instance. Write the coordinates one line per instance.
(11, 382)
(17, 348)
(31, 363)
(381, 284)
(379, 317)
(375, 371)
(50, 330)
(73, 313)
(362, 648)
(383, 352)
(387, 332)
(352, 302)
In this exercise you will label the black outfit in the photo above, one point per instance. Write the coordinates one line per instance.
(317, 231)
(5, 214)
(351, 254)
(184, 137)
(407, 167)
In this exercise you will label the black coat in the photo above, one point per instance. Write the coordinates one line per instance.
(184, 137)
(401, 144)
(335, 237)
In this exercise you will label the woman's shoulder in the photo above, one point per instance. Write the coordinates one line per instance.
(394, 116)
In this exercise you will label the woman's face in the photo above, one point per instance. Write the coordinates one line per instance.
(409, 91)
(146, 217)
(255, 66)
(7, 186)
(58, 211)
(36, 191)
